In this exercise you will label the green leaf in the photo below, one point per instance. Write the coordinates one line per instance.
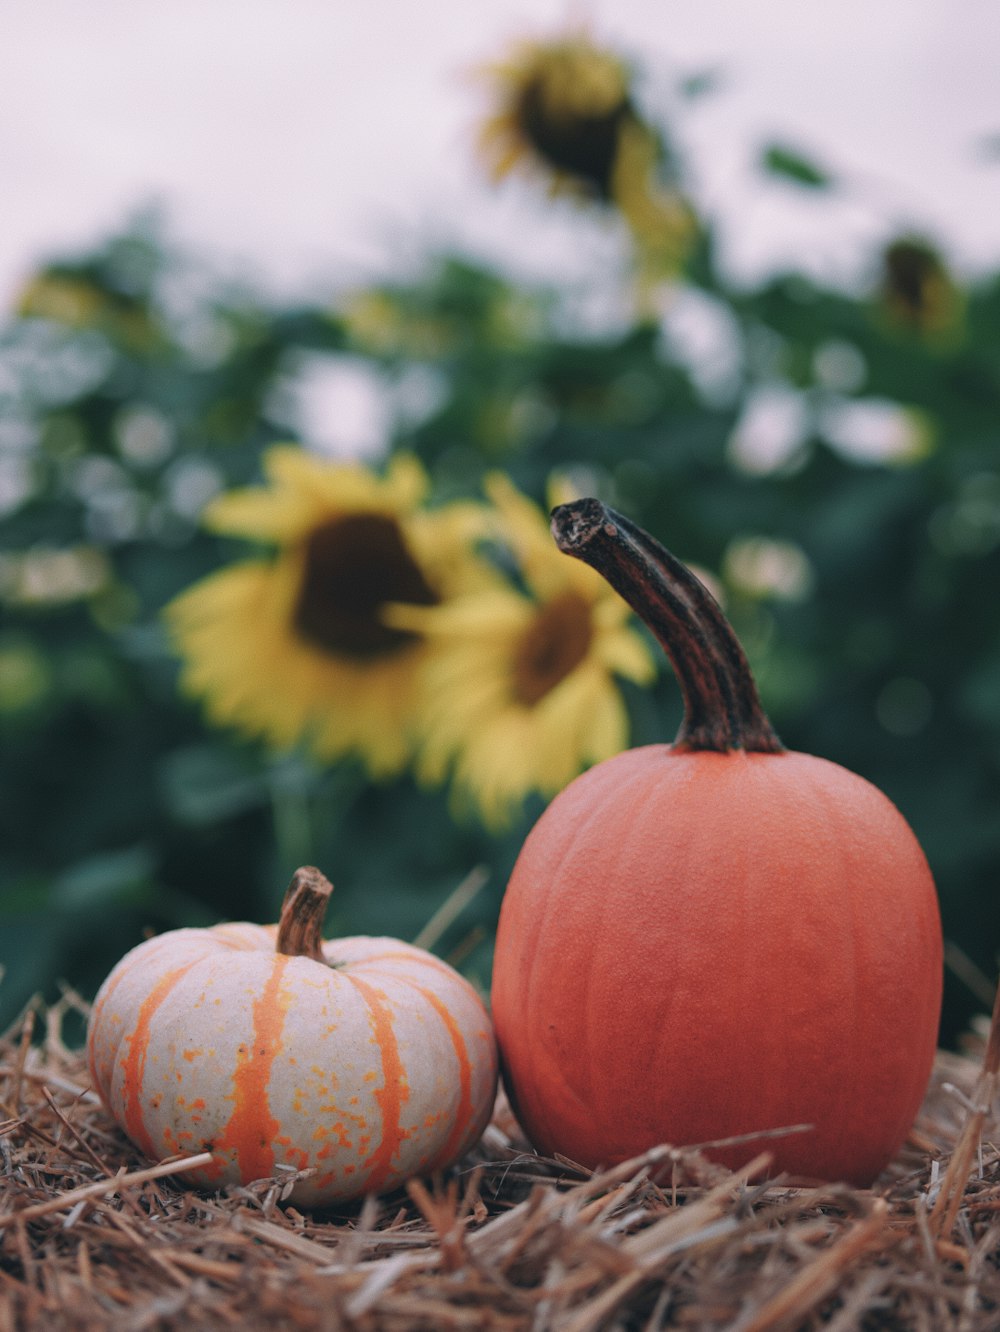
(206, 784)
(101, 880)
(701, 83)
(780, 160)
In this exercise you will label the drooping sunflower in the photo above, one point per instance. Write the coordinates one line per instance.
(566, 112)
(522, 695)
(293, 647)
(917, 291)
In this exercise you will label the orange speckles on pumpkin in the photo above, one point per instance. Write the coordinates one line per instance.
(101, 1002)
(134, 1063)
(294, 1155)
(283, 1090)
(394, 1092)
(343, 1138)
(252, 1126)
(464, 1110)
(297, 1157)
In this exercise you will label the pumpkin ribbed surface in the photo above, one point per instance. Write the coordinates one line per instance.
(716, 939)
(695, 946)
(373, 1065)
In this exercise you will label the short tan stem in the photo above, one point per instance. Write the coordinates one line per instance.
(300, 927)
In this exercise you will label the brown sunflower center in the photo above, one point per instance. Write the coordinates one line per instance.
(915, 281)
(581, 144)
(354, 565)
(552, 646)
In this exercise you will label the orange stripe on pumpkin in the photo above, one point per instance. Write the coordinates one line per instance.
(416, 956)
(100, 1004)
(251, 1129)
(394, 1091)
(134, 1063)
(463, 1114)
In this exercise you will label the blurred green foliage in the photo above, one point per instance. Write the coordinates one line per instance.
(830, 458)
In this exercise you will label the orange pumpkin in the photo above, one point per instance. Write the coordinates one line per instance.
(715, 938)
(363, 1060)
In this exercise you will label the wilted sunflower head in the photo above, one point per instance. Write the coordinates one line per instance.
(561, 106)
(296, 647)
(565, 111)
(917, 289)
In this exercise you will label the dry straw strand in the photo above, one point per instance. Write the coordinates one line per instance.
(92, 1236)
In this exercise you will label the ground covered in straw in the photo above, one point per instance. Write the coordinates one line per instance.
(92, 1236)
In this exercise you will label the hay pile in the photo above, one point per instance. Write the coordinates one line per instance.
(93, 1237)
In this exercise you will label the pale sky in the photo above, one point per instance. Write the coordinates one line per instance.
(316, 141)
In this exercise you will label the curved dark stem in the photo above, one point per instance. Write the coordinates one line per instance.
(300, 926)
(722, 709)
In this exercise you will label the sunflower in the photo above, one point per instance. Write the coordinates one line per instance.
(522, 694)
(662, 223)
(294, 647)
(563, 105)
(566, 112)
(917, 290)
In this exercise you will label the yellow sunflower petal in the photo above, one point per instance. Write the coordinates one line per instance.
(520, 692)
(556, 102)
(624, 653)
(302, 490)
(285, 650)
(494, 611)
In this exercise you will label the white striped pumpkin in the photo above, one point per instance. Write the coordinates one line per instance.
(364, 1060)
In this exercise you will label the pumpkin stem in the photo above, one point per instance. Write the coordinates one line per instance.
(722, 709)
(300, 926)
